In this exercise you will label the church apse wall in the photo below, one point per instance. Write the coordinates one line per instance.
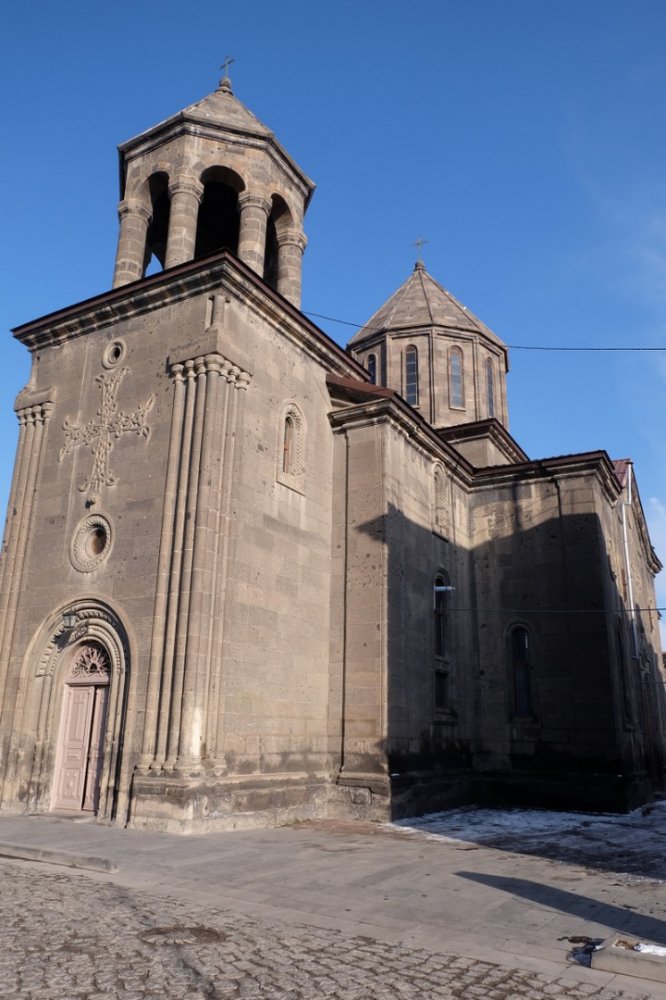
(551, 725)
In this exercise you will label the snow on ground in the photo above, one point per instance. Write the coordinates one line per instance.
(633, 843)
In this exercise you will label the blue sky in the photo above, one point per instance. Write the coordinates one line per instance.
(524, 139)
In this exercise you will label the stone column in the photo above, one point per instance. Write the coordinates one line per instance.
(291, 244)
(130, 258)
(254, 212)
(186, 194)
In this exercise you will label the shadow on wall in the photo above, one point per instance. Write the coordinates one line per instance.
(570, 716)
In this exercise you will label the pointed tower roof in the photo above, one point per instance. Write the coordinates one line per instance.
(223, 107)
(218, 115)
(423, 302)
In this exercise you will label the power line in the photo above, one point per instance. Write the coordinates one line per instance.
(512, 347)
(552, 611)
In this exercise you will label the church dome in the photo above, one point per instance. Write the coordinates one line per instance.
(436, 353)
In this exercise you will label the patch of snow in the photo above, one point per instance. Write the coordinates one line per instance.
(650, 949)
(627, 843)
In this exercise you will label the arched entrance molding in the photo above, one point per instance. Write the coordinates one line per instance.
(79, 623)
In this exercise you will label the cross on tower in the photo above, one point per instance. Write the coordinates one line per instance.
(99, 434)
(418, 243)
(225, 66)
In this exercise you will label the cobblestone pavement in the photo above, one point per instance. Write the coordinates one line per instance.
(64, 936)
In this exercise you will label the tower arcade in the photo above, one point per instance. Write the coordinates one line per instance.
(212, 177)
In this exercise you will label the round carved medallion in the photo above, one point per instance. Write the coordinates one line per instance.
(91, 543)
(113, 354)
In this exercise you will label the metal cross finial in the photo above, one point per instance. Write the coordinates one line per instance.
(418, 243)
(226, 64)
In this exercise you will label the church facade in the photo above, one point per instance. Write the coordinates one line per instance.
(250, 577)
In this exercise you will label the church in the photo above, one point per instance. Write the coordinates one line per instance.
(249, 577)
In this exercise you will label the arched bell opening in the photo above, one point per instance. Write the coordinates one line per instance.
(279, 222)
(158, 227)
(218, 221)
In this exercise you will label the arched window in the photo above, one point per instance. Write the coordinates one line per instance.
(288, 445)
(372, 368)
(520, 653)
(411, 376)
(456, 386)
(291, 448)
(442, 507)
(439, 615)
(490, 387)
(441, 642)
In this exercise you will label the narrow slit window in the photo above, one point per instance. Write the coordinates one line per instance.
(412, 376)
(288, 445)
(372, 368)
(490, 388)
(456, 390)
(520, 665)
(439, 617)
(440, 645)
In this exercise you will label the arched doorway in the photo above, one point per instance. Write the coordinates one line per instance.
(80, 747)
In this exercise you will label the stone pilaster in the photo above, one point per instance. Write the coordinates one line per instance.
(131, 256)
(186, 194)
(254, 210)
(189, 573)
(33, 419)
(291, 245)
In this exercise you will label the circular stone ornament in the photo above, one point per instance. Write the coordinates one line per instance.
(91, 543)
(113, 353)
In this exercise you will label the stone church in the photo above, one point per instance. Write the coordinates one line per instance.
(250, 577)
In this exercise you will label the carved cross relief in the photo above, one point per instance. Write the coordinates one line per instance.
(100, 433)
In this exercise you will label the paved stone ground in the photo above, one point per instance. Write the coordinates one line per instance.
(64, 936)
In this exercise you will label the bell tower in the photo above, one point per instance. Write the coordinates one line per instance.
(212, 177)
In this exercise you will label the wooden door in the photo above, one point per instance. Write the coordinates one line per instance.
(95, 749)
(81, 739)
(73, 750)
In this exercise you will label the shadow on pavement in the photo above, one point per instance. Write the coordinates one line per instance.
(582, 907)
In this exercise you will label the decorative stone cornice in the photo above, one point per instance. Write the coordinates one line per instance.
(223, 274)
(36, 414)
(129, 206)
(595, 463)
(185, 184)
(392, 410)
(30, 397)
(187, 123)
(292, 237)
(248, 199)
(210, 364)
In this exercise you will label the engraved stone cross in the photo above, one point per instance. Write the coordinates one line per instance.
(99, 434)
